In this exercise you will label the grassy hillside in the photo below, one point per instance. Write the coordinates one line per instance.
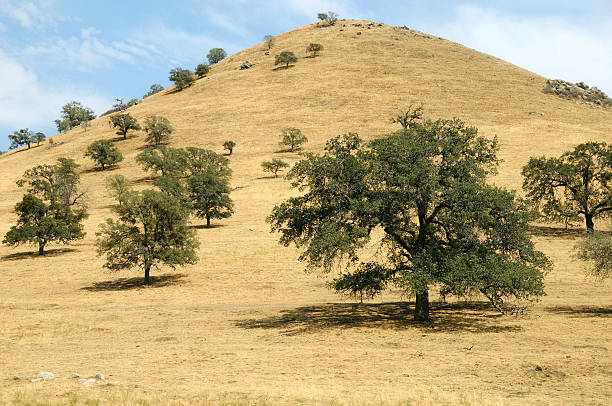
(246, 323)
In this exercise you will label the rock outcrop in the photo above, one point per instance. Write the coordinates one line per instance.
(578, 91)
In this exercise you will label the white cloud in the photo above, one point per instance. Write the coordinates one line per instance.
(24, 102)
(554, 47)
(29, 14)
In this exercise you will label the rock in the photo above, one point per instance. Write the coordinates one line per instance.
(47, 376)
(89, 382)
(358, 32)
(99, 376)
(19, 377)
(539, 368)
(246, 65)
(36, 380)
(74, 376)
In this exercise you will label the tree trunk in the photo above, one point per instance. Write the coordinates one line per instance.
(230, 151)
(589, 223)
(41, 248)
(207, 221)
(147, 280)
(421, 308)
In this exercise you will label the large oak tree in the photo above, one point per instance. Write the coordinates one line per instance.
(424, 191)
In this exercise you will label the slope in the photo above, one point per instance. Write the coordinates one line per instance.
(246, 318)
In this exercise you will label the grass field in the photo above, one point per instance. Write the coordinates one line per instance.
(246, 325)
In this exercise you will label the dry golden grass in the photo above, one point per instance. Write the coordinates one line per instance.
(246, 325)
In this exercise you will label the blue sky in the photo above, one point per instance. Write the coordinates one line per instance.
(54, 51)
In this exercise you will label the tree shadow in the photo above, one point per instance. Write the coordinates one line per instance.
(204, 227)
(34, 254)
(283, 68)
(582, 311)
(559, 232)
(146, 179)
(136, 283)
(465, 317)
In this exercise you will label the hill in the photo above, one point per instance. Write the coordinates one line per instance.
(246, 322)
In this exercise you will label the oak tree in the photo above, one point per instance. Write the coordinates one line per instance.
(124, 122)
(104, 152)
(426, 194)
(577, 182)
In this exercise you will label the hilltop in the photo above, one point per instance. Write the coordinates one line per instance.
(246, 318)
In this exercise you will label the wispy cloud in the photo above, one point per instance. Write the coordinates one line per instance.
(30, 14)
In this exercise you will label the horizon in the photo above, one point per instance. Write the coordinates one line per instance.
(53, 52)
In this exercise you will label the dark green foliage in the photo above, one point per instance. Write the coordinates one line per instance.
(292, 138)
(158, 130)
(367, 281)
(182, 78)
(578, 182)
(269, 41)
(207, 183)
(408, 118)
(426, 191)
(274, 166)
(104, 152)
(151, 229)
(163, 160)
(201, 70)
(22, 137)
(155, 88)
(210, 196)
(285, 58)
(121, 106)
(124, 122)
(314, 49)
(229, 145)
(39, 137)
(216, 55)
(328, 18)
(596, 249)
(52, 209)
(73, 115)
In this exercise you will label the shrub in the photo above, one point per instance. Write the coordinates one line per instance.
(229, 145)
(328, 18)
(201, 70)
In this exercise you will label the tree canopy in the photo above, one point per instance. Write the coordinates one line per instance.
(216, 55)
(577, 182)
(52, 209)
(73, 115)
(124, 122)
(596, 250)
(22, 137)
(425, 190)
(285, 58)
(292, 138)
(182, 78)
(155, 88)
(151, 229)
(163, 160)
(201, 70)
(314, 49)
(104, 152)
(274, 166)
(158, 129)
